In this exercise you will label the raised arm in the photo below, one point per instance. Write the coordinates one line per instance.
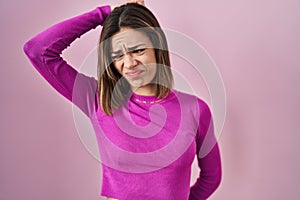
(208, 157)
(44, 50)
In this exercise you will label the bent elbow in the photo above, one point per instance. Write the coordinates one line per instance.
(31, 49)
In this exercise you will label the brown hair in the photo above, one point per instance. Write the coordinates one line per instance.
(112, 89)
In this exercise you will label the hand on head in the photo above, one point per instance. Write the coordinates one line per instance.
(141, 2)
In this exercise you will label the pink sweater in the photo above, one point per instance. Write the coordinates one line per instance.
(146, 149)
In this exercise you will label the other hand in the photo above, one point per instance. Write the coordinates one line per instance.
(141, 2)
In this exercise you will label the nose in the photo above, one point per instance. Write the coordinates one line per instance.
(129, 61)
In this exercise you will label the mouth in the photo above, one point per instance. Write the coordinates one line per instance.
(133, 74)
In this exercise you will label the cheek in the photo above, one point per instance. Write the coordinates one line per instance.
(152, 57)
(153, 71)
(118, 67)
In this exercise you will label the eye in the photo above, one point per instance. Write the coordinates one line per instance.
(117, 57)
(138, 50)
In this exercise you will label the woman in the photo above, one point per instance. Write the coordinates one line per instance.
(148, 133)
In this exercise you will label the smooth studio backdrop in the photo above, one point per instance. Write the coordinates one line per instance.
(255, 45)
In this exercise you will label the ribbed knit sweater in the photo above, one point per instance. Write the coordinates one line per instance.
(147, 146)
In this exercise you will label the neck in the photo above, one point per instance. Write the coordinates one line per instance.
(147, 90)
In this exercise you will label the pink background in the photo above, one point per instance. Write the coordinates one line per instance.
(254, 43)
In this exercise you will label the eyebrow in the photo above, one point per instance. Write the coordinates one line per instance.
(129, 48)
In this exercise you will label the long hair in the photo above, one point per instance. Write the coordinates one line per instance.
(112, 88)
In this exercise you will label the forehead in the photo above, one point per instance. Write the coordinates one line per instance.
(128, 37)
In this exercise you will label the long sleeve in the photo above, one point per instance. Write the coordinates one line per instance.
(44, 50)
(208, 157)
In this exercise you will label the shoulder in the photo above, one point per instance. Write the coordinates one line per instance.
(195, 106)
(191, 100)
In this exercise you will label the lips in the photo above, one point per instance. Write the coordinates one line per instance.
(134, 73)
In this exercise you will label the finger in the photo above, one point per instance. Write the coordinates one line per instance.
(141, 2)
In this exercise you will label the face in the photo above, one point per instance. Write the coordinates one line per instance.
(134, 58)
